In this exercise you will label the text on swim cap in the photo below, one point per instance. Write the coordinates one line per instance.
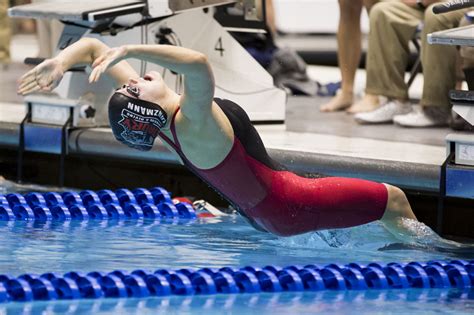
(146, 111)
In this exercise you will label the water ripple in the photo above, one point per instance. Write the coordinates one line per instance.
(109, 245)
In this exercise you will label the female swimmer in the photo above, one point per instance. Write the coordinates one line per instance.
(215, 139)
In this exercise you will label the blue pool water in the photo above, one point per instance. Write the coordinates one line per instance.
(110, 245)
(330, 302)
(127, 245)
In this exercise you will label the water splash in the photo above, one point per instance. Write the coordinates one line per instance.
(369, 236)
(374, 237)
(418, 235)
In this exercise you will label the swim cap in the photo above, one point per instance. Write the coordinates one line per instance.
(135, 122)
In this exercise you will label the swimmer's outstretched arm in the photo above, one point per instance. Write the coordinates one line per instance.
(199, 82)
(47, 75)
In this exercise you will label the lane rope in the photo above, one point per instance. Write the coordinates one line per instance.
(139, 283)
(154, 203)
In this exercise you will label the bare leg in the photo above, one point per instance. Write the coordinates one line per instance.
(398, 210)
(348, 53)
(368, 103)
(400, 220)
(271, 24)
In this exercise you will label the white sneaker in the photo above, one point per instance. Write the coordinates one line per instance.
(427, 117)
(384, 114)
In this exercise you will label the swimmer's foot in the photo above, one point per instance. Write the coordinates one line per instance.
(368, 103)
(417, 235)
(339, 102)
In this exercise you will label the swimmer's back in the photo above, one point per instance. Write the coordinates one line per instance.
(247, 134)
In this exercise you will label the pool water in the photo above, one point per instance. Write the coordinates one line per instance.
(39, 247)
(412, 301)
(109, 245)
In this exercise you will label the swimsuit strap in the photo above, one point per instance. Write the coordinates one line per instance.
(173, 129)
(174, 144)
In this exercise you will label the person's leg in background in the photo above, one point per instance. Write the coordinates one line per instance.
(369, 102)
(392, 26)
(270, 16)
(4, 34)
(348, 53)
(439, 73)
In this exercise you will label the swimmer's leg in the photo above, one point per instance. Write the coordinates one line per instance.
(397, 211)
(400, 220)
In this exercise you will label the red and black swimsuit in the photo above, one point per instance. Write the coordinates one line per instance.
(277, 200)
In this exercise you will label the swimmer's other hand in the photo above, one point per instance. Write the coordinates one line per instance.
(107, 60)
(44, 77)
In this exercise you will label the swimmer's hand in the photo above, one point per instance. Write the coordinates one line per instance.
(107, 60)
(44, 77)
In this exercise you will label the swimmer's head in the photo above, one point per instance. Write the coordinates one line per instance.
(134, 121)
(151, 87)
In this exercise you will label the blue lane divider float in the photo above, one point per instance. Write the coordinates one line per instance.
(105, 204)
(457, 274)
